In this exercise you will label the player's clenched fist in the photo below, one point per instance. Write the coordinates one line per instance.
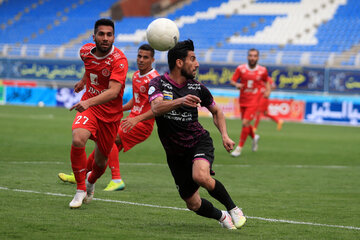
(190, 100)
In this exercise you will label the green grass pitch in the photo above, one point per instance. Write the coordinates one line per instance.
(303, 183)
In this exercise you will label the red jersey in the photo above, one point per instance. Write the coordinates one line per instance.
(99, 72)
(252, 79)
(140, 85)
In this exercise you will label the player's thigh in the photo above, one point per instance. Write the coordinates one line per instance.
(249, 114)
(181, 169)
(106, 135)
(139, 133)
(84, 126)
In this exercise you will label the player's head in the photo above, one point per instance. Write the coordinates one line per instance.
(253, 57)
(145, 58)
(104, 35)
(182, 57)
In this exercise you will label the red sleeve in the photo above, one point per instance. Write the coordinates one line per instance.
(119, 71)
(237, 75)
(266, 75)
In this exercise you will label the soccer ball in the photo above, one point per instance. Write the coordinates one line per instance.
(162, 34)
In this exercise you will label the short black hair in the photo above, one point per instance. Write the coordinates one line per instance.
(253, 49)
(147, 47)
(180, 51)
(103, 22)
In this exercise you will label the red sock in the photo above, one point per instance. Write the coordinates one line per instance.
(96, 173)
(251, 131)
(90, 161)
(244, 134)
(275, 119)
(257, 120)
(78, 164)
(113, 162)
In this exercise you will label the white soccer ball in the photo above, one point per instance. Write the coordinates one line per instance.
(162, 34)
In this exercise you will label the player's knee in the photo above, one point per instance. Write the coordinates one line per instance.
(77, 141)
(201, 178)
(246, 123)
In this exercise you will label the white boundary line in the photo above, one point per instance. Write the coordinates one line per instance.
(182, 209)
(215, 165)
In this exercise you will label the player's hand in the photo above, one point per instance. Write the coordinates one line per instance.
(190, 101)
(79, 86)
(228, 143)
(128, 123)
(239, 85)
(81, 106)
(266, 94)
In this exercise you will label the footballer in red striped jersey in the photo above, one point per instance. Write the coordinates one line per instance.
(138, 126)
(249, 78)
(100, 109)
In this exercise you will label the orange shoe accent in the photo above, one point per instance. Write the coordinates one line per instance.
(279, 125)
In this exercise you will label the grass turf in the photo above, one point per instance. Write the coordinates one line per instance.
(304, 173)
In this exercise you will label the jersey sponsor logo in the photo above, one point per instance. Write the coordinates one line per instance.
(95, 91)
(177, 116)
(94, 79)
(137, 108)
(168, 95)
(121, 66)
(105, 72)
(167, 85)
(194, 86)
(151, 90)
(142, 89)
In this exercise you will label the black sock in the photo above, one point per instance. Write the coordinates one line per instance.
(220, 194)
(208, 210)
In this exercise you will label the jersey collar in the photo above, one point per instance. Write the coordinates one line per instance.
(252, 69)
(150, 72)
(173, 82)
(111, 51)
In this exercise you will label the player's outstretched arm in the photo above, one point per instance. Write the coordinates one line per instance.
(128, 123)
(160, 107)
(220, 123)
(111, 93)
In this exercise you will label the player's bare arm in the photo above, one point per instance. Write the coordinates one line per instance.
(160, 107)
(128, 105)
(128, 123)
(80, 84)
(220, 123)
(267, 89)
(236, 84)
(111, 93)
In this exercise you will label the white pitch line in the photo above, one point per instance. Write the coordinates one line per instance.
(36, 163)
(182, 209)
(215, 165)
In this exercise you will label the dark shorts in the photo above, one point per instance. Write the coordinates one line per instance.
(180, 161)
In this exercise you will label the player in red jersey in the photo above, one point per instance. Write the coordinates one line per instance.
(252, 76)
(100, 109)
(263, 108)
(138, 126)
